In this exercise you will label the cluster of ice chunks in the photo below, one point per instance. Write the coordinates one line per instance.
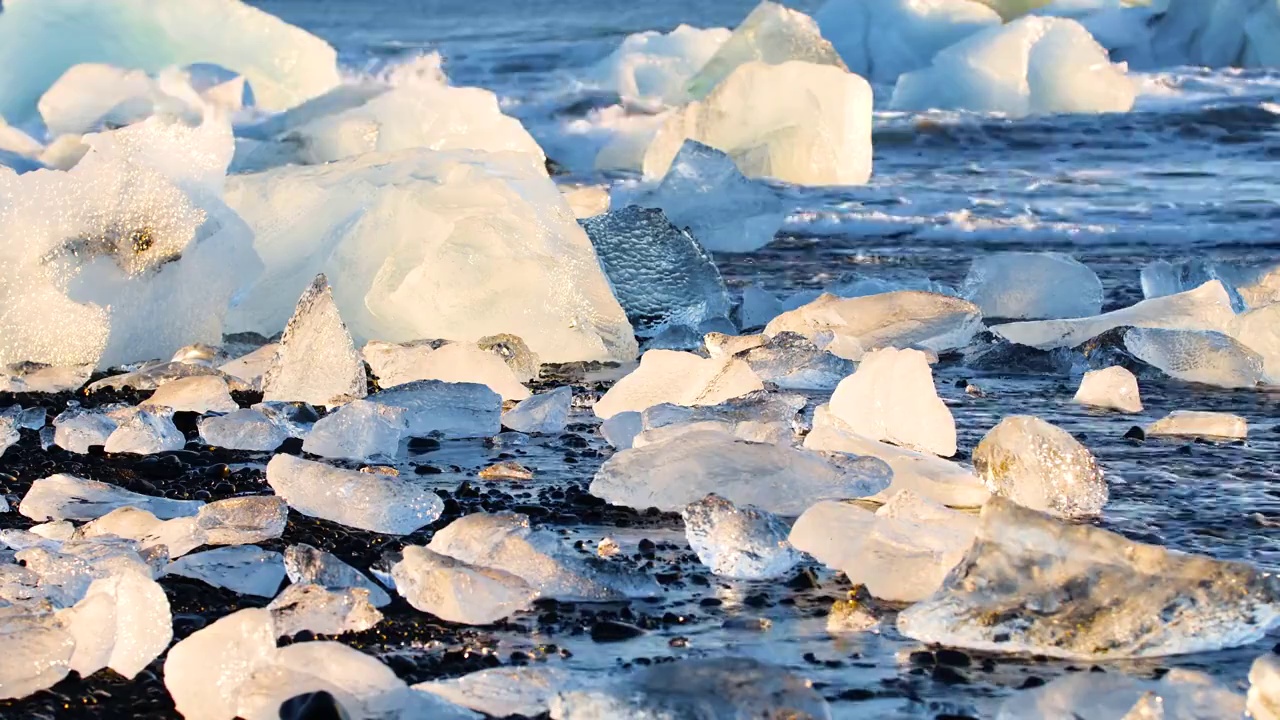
(1035, 585)
(1028, 285)
(1112, 388)
(546, 413)
(1042, 467)
(679, 378)
(1094, 696)
(658, 272)
(456, 591)
(316, 361)
(1200, 424)
(1032, 66)
(1201, 356)
(152, 375)
(463, 214)
(901, 552)
(848, 327)
(738, 542)
(306, 565)
(654, 68)
(368, 501)
(891, 397)
(399, 363)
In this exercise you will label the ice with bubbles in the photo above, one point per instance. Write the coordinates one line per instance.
(316, 361)
(123, 622)
(66, 497)
(368, 501)
(319, 610)
(455, 410)
(1027, 285)
(1201, 356)
(1041, 466)
(359, 430)
(305, 564)
(244, 569)
(243, 429)
(738, 542)
(456, 591)
(680, 378)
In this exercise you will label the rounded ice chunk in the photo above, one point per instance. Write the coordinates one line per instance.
(359, 430)
(123, 622)
(397, 364)
(1264, 688)
(1113, 388)
(205, 672)
(1029, 285)
(738, 542)
(374, 502)
(679, 378)
(66, 497)
(37, 655)
(198, 394)
(546, 413)
(892, 397)
(1196, 423)
(848, 327)
(1093, 696)
(458, 592)
(1042, 467)
(244, 429)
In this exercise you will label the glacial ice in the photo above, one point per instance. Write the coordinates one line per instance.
(397, 364)
(761, 416)
(1035, 585)
(508, 690)
(545, 413)
(1207, 307)
(1263, 700)
(848, 327)
(242, 520)
(307, 565)
(654, 68)
(1196, 423)
(198, 394)
(66, 569)
(1042, 467)
(1031, 66)
(454, 410)
(795, 122)
(586, 201)
(179, 536)
(322, 611)
(37, 378)
(1101, 696)
(90, 97)
(891, 397)
(145, 431)
(66, 497)
(738, 542)
(792, 362)
(882, 39)
(244, 429)
(758, 307)
(411, 240)
(455, 591)
(1113, 388)
(153, 375)
(123, 622)
(1250, 286)
(684, 468)
(252, 367)
(284, 64)
(1259, 331)
(621, 429)
(204, 672)
(368, 501)
(771, 34)
(1032, 285)
(359, 430)
(316, 361)
(679, 378)
(37, 654)
(245, 569)
(1201, 356)
(1208, 33)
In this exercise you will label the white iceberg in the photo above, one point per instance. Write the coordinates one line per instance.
(123, 622)
(205, 671)
(198, 394)
(397, 364)
(1264, 688)
(145, 431)
(359, 430)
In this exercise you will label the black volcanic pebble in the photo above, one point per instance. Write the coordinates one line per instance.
(311, 706)
(1135, 433)
(954, 658)
(614, 631)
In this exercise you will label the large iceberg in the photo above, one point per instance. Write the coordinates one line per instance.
(848, 327)
(655, 68)
(1032, 66)
(1032, 286)
(425, 244)
(892, 398)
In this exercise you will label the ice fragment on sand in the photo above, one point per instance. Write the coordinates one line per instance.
(503, 691)
(37, 654)
(1035, 585)
(123, 622)
(244, 429)
(397, 364)
(1195, 423)
(848, 327)
(243, 520)
(621, 429)
(1042, 467)
(738, 542)
(679, 378)
(153, 375)
(66, 497)
(322, 611)
(653, 67)
(252, 367)
(1264, 688)
(198, 394)
(39, 378)
(205, 672)
(245, 569)
(145, 431)
(455, 591)
(455, 410)
(891, 397)
(546, 413)
(793, 362)
(901, 552)
(761, 416)
(1097, 696)
(1114, 388)
(316, 362)
(307, 565)
(179, 536)
(1032, 66)
(374, 502)
(359, 430)
(1027, 285)
(1208, 357)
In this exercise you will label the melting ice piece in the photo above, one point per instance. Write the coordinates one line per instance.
(882, 39)
(244, 429)
(37, 378)
(504, 691)
(65, 570)
(1042, 467)
(179, 536)
(703, 687)
(397, 364)
(374, 502)
(243, 520)
(66, 497)
(252, 367)
(847, 327)
(1114, 388)
(1200, 356)
(791, 361)
(245, 569)
(771, 34)
(1207, 307)
(295, 418)
(92, 96)
(659, 273)
(37, 653)
(679, 378)
(1032, 66)
(1259, 331)
(1126, 599)
(816, 130)
(901, 552)
(146, 431)
(199, 394)
(1264, 688)
(9, 434)
(322, 611)
(654, 67)
(455, 410)
(505, 541)
(738, 542)
(359, 430)
(1029, 285)
(546, 413)
(928, 476)
(686, 467)
(761, 416)
(204, 672)
(1250, 287)
(307, 565)
(460, 215)
(515, 352)
(758, 307)
(891, 397)
(622, 428)
(1096, 696)
(455, 591)
(153, 375)
(586, 200)
(1195, 423)
(123, 622)
(317, 361)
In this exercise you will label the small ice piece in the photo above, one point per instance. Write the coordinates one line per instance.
(1032, 285)
(1207, 307)
(37, 653)
(654, 68)
(153, 375)
(1113, 388)
(505, 691)
(892, 398)
(244, 429)
(198, 394)
(205, 672)
(245, 569)
(454, 410)
(1264, 688)
(738, 542)
(758, 307)
(1096, 696)
(179, 536)
(1200, 356)
(848, 327)
(684, 468)
(123, 622)
(307, 565)
(621, 429)
(359, 430)
(1042, 467)
(40, 378)
(1031, 66)
(146, 431)
(1259, 331)
(771, 34)
(1196, 423)
(57, 530)
(66, 497)
(720, 345)
(252, 367)
(660, 273)
(760, 416)
(1034, 585)
(506, 541)
(901, 552)
(814, 128)
(396, 364)
(546, 413)
(790, 361)
(243, 520)
(368, 501)
(679, 378)
(295, 418)
(317, 361)
(455, 591)
(322, 611)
